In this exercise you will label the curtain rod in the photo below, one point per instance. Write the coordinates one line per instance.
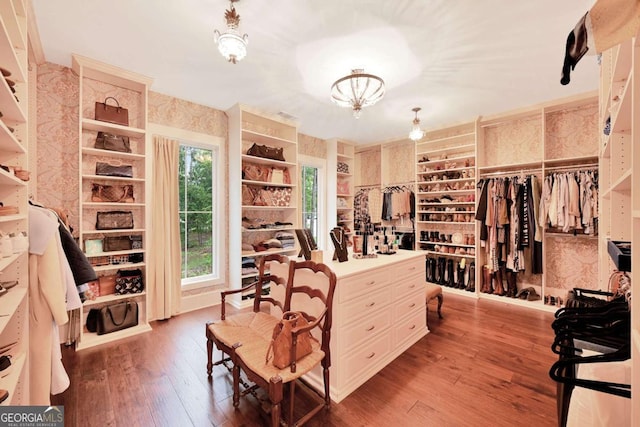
(589, 166)
(511, 173)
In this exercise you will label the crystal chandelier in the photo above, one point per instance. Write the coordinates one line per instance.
(357, 90)
(231, 44)
(416, 133)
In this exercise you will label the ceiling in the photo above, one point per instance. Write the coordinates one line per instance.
(456, 59)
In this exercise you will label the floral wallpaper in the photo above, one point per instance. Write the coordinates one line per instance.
(170, 111)
(57, 139)
(514, 141)
(572, 133)
(571, 261)
(399, 163)
(371, 174)
(312, 146)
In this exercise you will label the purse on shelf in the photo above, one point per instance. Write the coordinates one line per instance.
(109, 169)
(129, 282)
(282, 340)
(111, 142)
(112, 193)
(266, 152)
(113, 317)
(122, 243)
(107, 283)
(111, 113)
(114, 220)
(93, 246)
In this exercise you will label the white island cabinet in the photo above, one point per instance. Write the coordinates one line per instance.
(378, 312)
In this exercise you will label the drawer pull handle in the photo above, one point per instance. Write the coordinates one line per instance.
(412, 286)
(412, 327)
(371, 304)
(412, 268)
(371, 355)
(370, 328)
(412, 305)
(371, 283)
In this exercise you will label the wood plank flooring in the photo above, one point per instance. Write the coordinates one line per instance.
(486, 363)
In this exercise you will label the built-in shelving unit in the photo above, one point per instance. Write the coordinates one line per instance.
(98, 81)
(14, 305)
(263, 210)
(620, 177)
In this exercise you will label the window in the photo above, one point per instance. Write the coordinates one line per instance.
(312, 185)
(198, 213)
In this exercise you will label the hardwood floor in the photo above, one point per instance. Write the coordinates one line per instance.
(486, 363)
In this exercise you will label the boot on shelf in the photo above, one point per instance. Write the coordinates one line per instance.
(471, 283)
(499, 276)
(461, 270)
(487, 278)
(431, 270)
(449, 279)
(512, 287)
(439, 274)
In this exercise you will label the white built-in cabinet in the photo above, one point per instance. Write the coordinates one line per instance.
(98, 81)
(254, 222)
(14, 309)
(620, 177)
(341, 161)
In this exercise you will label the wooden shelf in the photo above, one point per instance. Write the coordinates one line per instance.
(91, 339)
(268, 252)
(12, 377)
(112, 178)
(113, 154)
(118, 231)
(260, 138)
(7, 261)
(263, 161)
(266, 184)
(510, 167)
(446, 222)
(451, 255)
(8, 141)
(112, 267)
(447, 138)
(10, 302)
(98, 126)
(433, 172)
(100, 205)
(104, 299)
(447, 191)
(9, 218)
(266, 208)
(8, 56)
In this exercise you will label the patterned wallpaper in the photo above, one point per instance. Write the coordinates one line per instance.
(571, 262)
(169, 111)
(517, 141)
(312, 146)
(399, 163)
(57, 139)
(572, 133)
(371, 174)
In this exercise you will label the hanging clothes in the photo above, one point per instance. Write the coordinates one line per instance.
(47, 307)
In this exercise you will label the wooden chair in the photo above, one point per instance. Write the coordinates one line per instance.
(310, 290)
(239, 327)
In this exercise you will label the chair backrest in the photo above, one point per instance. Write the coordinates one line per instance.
(310, 290)
(266, 276)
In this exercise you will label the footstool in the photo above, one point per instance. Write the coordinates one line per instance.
(434, 291)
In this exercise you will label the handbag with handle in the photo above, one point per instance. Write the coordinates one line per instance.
(111, 113)
(111, 169)
(112, 142)
(266, 152)
(122, 243)
(129, 282)
(112, 193)
(116, 317)
(282, 340)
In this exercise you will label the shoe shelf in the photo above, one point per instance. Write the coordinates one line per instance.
(473, 190)
(266, 184)
(9, 143)
(427, 203)
(266, 230)
(455, 180)
(456, 245)
(429, 171)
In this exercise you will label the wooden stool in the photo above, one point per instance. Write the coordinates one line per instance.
(434, 291)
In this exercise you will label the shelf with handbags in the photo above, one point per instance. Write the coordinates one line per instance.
(113, 193)
(14, 220)
(345, 193)
(263, 163)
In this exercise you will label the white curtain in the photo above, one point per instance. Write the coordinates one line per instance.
(164, 272)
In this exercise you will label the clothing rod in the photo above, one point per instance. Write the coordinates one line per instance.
(368, 186)
(396, 184)
(590, 166)
(511, 173)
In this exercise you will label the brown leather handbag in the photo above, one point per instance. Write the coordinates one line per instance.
(112, 193)
(109, 169)
(266, 152)
(114, 220)
(112, 113)
(282, 340)
(111, 142)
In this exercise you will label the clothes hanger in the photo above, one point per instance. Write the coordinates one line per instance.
(561, 367)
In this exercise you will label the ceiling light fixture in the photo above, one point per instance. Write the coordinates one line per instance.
(231, 44)
(357, 90)
(416, 133)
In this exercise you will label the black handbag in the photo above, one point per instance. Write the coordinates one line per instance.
(129, 282)
(111, 142)
(113, 317)
(107, 169)
(121, 243)
(113, 220)
(111, 113)
(264, 151)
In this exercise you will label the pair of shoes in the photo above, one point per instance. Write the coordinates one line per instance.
(529, 294)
